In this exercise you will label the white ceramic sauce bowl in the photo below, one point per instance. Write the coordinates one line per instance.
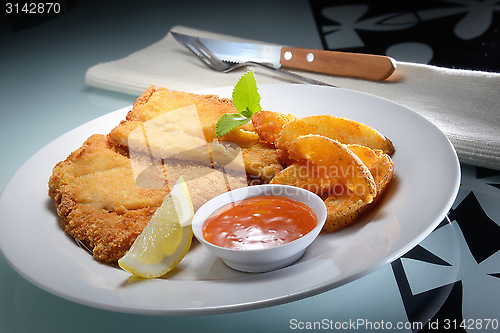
(267, 259)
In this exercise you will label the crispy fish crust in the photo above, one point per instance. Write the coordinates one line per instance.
(98, 200)
(262, 160)
(155, 102)
(100, 203)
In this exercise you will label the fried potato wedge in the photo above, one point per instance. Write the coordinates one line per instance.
(379, 163)
(323, 165)
(307, 176)
(341, 129)
(269, 124)
(343, 210)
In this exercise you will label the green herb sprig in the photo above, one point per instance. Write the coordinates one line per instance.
(246, 99)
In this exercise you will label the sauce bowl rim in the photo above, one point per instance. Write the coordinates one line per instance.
(198, 220)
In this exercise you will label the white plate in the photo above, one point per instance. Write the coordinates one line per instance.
(427, 177)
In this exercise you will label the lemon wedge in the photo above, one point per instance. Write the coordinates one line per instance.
(166, 238)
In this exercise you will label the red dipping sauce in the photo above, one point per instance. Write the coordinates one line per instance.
(259, 222)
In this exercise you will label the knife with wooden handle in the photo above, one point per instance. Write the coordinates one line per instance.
(364, 66)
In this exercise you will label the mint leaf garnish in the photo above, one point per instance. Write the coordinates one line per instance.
(246, 99)
(229, 121)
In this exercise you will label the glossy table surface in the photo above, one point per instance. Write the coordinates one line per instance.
(453, 275)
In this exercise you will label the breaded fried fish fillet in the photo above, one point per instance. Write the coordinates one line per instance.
(98, 200)
(260, 159)
(100, 203)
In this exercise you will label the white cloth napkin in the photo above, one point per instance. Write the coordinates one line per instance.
(464, 104)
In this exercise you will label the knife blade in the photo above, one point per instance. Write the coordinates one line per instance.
(195, 45)
(359, 65)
